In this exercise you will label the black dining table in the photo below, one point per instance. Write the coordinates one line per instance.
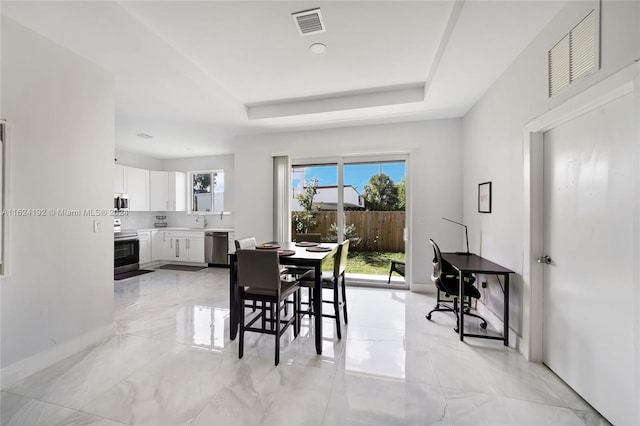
(302, 256)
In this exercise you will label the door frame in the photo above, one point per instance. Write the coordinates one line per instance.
(621, 83)
(340, 161)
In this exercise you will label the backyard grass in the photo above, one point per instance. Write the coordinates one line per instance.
(371, 262)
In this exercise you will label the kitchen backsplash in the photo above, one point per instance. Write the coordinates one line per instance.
(140, 220)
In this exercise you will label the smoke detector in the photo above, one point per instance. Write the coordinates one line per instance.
(309, 21)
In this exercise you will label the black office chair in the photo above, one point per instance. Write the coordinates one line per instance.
(259, 279)
(446, 280)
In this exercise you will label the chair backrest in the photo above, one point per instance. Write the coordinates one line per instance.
(340, 261)
(258, 269)
(246, 243)
(437, 262)
(312, 238)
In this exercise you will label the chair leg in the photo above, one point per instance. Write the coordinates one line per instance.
(241, 337)
(344, 300)
(277, 333)
(273, 308)
(296, 311)
(286, 309)
(455, 311)
(336, 309)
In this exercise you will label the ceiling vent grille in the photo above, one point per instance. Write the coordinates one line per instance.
(309, 21)
(576, 55)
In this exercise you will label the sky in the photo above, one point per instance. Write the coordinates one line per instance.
(356, 175)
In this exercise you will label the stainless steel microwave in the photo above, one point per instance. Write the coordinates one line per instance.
(121, 202)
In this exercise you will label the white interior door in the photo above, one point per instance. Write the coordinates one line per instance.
(589, 225)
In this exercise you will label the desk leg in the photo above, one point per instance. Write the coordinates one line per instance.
(317, 308)
(461, 305)
(233, 301)
(505, 331)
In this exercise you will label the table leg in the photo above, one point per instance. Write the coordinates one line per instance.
(461, 305)
(233, 301)
(505, 330)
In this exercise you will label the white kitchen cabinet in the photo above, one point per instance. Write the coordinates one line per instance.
(160, 245)
(195, 246)
(178, 191)
(167, 191)
(119, 179)
(178, 250)
(185, 246)
(137, 185)
(144, 237)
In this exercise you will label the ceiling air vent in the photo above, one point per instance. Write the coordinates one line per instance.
(576, 55)
(309, 21)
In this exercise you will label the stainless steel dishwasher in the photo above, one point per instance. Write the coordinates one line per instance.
(215, 248)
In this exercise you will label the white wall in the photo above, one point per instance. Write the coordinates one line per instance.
(493, 141)
(57, 296)
(434, 180)
(132, 159)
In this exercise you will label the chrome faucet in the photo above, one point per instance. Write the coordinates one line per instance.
(205, 220)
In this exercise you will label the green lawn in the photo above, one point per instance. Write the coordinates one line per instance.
(371, 262)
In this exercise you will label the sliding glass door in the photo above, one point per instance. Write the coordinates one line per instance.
(362, 199)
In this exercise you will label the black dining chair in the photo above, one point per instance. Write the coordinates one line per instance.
(447, 283)
(246, 243)
(334, 281)
(259, 279)
(396, 266)
(309, 237)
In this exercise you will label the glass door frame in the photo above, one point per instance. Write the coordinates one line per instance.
(340, 162)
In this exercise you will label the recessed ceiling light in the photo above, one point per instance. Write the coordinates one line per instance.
(144, 136)
(318, 49)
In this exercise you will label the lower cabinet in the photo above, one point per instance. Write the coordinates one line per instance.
(178, 246)
(160, 245)
(195, 245)
(144, 237)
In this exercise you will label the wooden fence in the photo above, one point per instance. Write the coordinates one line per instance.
(378, 231)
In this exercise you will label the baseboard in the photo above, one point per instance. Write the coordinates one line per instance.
(24, 368)
(425, 288)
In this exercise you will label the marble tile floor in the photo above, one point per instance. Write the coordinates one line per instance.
(172, 363)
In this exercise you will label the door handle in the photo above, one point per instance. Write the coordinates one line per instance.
(544, 259)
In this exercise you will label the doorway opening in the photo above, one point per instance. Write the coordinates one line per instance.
(363, 200)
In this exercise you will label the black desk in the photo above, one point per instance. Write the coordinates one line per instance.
(473, 264)
(302, 257)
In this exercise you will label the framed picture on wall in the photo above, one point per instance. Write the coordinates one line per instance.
(484, 197)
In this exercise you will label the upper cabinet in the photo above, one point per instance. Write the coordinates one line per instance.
(167, 191)
(135, 183)
(119, 184)
(138, 189)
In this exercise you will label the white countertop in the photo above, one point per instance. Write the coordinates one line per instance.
(173, 228)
